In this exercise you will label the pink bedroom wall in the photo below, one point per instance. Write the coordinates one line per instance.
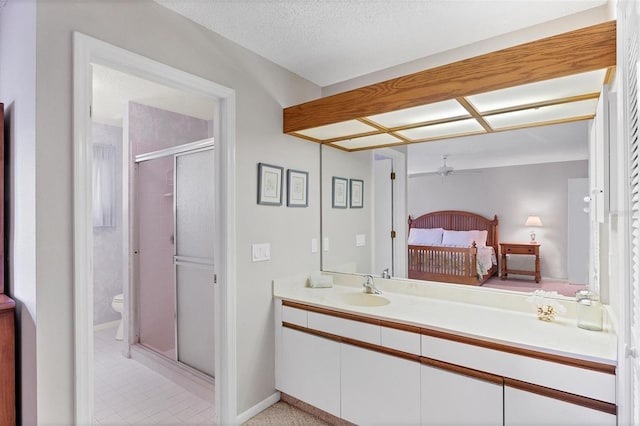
(152, 129)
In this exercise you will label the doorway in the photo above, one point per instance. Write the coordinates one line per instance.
(390, 216)
(88, 51)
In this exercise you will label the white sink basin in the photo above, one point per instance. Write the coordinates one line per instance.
(363, 299)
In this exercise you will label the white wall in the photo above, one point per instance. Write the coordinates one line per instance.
(262, 90)
(342, 225)
(18, 93)
(513, 193)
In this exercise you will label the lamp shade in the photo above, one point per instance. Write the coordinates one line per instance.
(533, 221)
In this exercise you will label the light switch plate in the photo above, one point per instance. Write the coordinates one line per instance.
(361, 240)
(314, 245)
(260, 252)
(325, 244)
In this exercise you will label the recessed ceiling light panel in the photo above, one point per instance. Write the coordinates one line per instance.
(454, 128)
(542, 91)
(368, 141)
(552, 113)
(420, 114)
(330, 131)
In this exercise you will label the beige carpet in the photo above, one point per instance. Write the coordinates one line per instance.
(528, 285)
(283, 414)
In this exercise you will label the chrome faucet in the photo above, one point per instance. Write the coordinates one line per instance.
(368, 285)
(386, 274)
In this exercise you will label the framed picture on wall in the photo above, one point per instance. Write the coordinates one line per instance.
(297, 188)
(269, 184)
(339, 191)
(357, 193)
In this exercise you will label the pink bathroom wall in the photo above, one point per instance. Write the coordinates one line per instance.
(152, 129)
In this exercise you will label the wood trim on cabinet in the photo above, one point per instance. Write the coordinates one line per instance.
(572, 362)
(455, 368)
(573, 52)
(594, 404)
(6, 303)
(7, 361)
(353, 317)
(325, 311)
(354, 342)
(2, 198)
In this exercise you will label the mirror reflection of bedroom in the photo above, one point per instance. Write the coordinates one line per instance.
(534, 180)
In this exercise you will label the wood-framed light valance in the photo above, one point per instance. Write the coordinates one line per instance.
(579, 52)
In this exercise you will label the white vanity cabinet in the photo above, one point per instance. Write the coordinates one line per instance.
(378, 388)
(311, 370)
(458, 399)
(369, 370)
(527, 408)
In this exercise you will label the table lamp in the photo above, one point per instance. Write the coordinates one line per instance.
(533, 221)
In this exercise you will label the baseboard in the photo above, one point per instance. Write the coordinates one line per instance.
(258, 408)
(106, 325)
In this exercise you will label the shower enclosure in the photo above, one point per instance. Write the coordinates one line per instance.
(174, 240)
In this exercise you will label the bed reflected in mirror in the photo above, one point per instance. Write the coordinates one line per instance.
(541, 171)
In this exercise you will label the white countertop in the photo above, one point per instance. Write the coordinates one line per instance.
(434, 306)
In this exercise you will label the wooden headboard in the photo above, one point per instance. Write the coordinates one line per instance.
(455, 220)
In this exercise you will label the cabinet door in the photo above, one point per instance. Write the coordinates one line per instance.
(310, 370)
(526, 408)
(453, 398)
(379, 388)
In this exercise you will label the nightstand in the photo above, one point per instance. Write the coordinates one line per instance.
(532, 249)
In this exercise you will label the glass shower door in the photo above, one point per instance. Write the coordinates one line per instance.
(193, 260)
(155, 226)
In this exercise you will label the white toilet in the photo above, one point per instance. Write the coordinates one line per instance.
(118, 305)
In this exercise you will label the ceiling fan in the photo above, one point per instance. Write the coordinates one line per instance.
(445, 170)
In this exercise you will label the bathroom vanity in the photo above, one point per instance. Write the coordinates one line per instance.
(421, 353)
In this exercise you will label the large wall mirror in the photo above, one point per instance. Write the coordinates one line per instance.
(539, 171)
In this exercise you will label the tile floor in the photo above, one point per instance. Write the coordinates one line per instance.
(129, 393)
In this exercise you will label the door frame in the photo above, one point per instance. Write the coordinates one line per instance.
(400, 208)
(87, 51)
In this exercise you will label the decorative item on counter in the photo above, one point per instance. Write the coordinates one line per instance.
(317, 280)
(589, 310)
(546, 304)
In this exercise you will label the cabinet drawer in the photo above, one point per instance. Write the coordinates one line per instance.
(580, 381)
(294, 316)
(519, 250)
(343, 327)
(400, 340)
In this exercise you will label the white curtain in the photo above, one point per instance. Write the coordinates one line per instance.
(104, 185)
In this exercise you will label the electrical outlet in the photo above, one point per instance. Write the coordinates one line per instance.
(361, 240)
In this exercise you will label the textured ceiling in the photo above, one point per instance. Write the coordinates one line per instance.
(329, 41)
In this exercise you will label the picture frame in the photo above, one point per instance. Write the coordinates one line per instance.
(297, 188)
(339, 192)
(269, 184)
(356, 191)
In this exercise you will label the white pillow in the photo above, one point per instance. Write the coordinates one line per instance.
(480, 237)
(425, 237)
(457, 238)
